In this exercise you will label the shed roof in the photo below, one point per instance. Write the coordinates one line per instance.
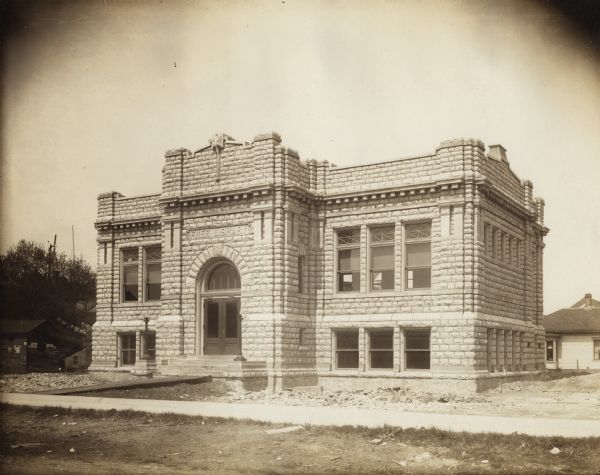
(19, 327)
(581, 317)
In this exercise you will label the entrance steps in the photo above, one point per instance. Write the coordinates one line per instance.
(217, 366)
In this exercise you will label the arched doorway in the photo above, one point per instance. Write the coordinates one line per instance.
(220, 303)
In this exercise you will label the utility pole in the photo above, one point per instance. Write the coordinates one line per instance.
(51, 256)
(73, 238)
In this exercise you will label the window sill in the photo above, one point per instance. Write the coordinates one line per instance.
(394, 293)
(152, 303)
(377, 373)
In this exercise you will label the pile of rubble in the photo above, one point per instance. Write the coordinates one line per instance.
(33, 382)
(383, 397)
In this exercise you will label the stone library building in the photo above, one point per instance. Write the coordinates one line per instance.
(253, 264)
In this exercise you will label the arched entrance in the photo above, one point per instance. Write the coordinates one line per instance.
(220, 303)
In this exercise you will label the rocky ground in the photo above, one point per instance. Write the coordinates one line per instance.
(566, 397)
(33, 382)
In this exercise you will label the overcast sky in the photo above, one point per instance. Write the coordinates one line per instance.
(95, 92)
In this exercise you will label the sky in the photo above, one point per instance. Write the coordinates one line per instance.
(94, 93)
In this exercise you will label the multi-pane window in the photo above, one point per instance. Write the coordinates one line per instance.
(148, 341)
(597, 349)
(130, 266)
(417, 348)
(346, 349)
(550, 350)
(486, 237)
(418, 255)
(382, 258)
(223, 277)
(381, 349)
(302, 337)
(152, 276)
(127, 348)
(348, 265)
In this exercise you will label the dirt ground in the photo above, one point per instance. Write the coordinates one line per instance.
(49, 441)
(31, 382)
(570, 397)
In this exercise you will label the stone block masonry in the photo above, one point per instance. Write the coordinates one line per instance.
(423, 267)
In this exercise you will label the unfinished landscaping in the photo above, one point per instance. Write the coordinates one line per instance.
(554, 395)
(94, 442)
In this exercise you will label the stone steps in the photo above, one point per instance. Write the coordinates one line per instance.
(211, 365)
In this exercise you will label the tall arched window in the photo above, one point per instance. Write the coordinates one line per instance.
(223, 277)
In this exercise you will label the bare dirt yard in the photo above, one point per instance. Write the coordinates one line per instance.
(32, 382)
(49, 441)
(573, 397)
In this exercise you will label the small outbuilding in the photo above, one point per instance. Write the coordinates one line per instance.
(35, 345)
(573, 336)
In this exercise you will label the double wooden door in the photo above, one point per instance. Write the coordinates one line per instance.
(222, 326)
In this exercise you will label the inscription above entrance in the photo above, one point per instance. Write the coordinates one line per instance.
(198, 234)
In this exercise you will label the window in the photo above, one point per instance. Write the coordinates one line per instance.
(597, 349)
(149, 345)
(127, 348)
(152, 261)
(382, 258)
(491, 341)
(418, 255)
(381, 349)
(302, 337)
(301, 274)
(486, 237)
(348, 249)
(129, 259)
(550, 350)
(417, 353)
(346, 349)
(223, 277)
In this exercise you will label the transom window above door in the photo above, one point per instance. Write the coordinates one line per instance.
(223, 277)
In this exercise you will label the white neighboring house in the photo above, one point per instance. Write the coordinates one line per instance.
(573, 336)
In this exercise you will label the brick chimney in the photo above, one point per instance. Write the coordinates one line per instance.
(498, 152)
(588, 302)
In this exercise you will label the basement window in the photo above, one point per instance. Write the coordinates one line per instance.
(417, 348)
(148, 341)
(381, 349)
(346, 349)
(127, 349)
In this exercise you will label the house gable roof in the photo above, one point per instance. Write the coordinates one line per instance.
(581, 317)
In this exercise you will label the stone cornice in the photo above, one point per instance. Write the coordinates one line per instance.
(392, 192)
(503, 200)
(127, 223)
(215, 197)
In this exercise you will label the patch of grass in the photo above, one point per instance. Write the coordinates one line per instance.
(422, 436)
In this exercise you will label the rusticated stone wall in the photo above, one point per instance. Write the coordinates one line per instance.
(260, 207)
